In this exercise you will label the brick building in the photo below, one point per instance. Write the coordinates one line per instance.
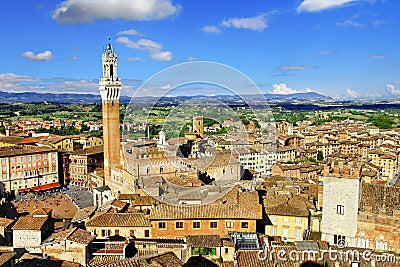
(236, 211)
(127, 225)
(82, 162)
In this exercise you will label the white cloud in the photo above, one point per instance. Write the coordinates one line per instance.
(352, 94)
(392, 89)
(380, 56)
(10, 82)
(130, 32)
(46, 55)
(133, 59)
(78, 11)
(282, 89)
(295, 67)
(349, 23)
(379, 22)
(155, 49)
(166, 87)
(191, 58)
(146, 44)
(258, 23)
(211, 29)
(320, 5)
(162, 56)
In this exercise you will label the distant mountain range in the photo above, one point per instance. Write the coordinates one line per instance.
(28, 97)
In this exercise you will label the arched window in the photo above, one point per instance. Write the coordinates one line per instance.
(111, 70)
(381, 242)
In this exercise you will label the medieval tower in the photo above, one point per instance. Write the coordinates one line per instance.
(198, 126)
(110, 88)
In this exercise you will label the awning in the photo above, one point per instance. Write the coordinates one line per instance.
(46, 187)
(36, 188)
(55, 185)
(22, 190)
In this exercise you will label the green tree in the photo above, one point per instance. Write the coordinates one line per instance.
(383, 121)
(320, 156)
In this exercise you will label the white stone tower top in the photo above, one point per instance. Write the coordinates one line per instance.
(110, 84)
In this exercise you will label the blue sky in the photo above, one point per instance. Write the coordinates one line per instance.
(341, 48)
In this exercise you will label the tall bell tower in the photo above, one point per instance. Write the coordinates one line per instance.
(110, 88)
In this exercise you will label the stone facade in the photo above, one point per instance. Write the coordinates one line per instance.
(70, 245)
(26, 167)
(341, 195)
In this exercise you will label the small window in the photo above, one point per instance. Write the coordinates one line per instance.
(196, 225)
(340, 209)
(213, 224)
(286, 220)
(161, 225)
(179, 225)
(245, 225)
(132, 233)
(146, 233)
(226, 250)
(339, 240)
(229, 224)
(116, 232)
(298, 234)
(273, 231)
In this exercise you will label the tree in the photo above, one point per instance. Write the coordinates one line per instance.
(320, 156)
(383, 121)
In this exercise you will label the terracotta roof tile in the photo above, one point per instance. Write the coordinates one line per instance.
(282, 205)
(232, 211)
(166, 259)
(42, 211)
(6, 257)
(203, 241)
(119, 220)
(83, 214)
(119, 204)
(80, 236)
(4, 222)
(16, 151)
(30, 223)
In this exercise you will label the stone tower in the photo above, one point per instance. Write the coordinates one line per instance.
(198, 126)
(110, 88)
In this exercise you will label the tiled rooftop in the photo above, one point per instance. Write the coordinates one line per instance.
(30, 223)
(203, 241)
(80, 236)
(231, 211)
(120, 220)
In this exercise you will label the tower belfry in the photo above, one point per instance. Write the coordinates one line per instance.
(110, 89)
